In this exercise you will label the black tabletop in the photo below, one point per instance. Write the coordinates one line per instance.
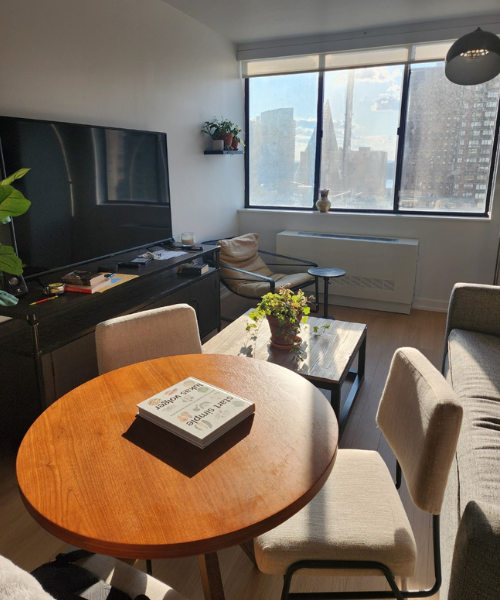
(326, 272)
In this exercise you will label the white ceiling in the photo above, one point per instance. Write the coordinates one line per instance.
(246, 21)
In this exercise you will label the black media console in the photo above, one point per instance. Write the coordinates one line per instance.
(49, 348)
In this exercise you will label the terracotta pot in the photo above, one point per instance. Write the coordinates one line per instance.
(234, 144)
(284, 336)
(227, 137)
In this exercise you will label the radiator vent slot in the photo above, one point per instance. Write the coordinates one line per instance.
(378, 270)
(364, 282)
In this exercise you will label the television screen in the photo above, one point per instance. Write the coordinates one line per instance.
(94, 191)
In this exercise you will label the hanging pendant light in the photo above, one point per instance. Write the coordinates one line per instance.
(474, 58)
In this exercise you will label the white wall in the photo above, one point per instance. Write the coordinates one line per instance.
(450, 250)
(132, 63)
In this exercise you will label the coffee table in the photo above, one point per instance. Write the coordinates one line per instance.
(327, 358)
(97, 477)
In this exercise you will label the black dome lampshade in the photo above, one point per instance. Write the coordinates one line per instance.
(474, 58)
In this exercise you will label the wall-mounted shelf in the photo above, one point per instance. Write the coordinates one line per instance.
(223, 152)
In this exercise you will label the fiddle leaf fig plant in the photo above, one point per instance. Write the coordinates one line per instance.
(12, 204)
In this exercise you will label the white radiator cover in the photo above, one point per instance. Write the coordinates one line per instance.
(380, 271)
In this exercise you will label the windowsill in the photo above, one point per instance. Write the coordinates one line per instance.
(337, 215)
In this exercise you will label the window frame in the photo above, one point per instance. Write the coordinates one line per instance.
(401, 133)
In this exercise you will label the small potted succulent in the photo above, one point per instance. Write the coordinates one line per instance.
(285, 310)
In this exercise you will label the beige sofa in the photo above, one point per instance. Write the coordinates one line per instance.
(470, 518)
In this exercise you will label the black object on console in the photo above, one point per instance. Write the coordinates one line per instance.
(95, 191)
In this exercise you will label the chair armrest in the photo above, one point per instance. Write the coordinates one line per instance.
(300, 261)
(474, 571)
(250, 276)
(474, 307)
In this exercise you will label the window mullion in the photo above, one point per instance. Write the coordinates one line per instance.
(319, 138)
(401, 136)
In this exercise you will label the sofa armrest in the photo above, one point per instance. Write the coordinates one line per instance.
(474, 307)
(474, 572)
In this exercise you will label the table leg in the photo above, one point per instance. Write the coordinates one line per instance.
(325, 299)
(335, 400)
(211, 579)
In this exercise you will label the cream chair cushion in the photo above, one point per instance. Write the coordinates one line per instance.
(420, 416)
(357, 515)
(166, 331)
(242, 252)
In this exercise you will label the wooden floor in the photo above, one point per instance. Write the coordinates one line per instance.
(28, 545)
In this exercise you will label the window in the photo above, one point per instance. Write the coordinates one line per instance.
(382, 138)
(282, 150)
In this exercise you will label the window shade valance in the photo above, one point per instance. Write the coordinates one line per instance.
(346, 60)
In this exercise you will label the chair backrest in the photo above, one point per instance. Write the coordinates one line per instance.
(420, 416)
(241, 252)
(145, 335)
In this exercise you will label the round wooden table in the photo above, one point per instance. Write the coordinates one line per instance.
(97, 477)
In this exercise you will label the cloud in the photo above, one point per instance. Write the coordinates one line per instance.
(386, 102)
(379, 74)
(304, 130)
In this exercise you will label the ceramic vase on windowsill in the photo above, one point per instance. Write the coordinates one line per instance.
(323, 204)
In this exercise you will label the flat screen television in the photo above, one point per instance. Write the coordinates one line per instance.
(94, 191)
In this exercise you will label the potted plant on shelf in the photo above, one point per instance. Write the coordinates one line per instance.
(236, 139)
(285, 310)
(220, 130)
(12, 204)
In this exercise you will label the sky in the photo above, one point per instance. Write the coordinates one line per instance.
(376, 104)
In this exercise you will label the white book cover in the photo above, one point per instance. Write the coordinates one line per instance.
(195, 410)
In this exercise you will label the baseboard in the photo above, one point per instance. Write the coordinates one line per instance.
(429, 304)
(396, 307)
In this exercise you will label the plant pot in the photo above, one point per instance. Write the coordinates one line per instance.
(234, 144)
(217, 144)
(227, 138)
(284, 336)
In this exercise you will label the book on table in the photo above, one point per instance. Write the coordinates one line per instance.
(86, 278)
(195, 411)
(192, 268)
(88, 289)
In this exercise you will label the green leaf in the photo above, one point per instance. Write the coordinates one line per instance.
(16, 175)
(13, 204)
(9, 262)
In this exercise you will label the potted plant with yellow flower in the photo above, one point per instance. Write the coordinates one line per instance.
(285, 311)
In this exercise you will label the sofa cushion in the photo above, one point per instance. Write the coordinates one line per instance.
(472, 368)
(475, 376)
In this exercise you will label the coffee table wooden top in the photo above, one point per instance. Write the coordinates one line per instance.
(96, 476)
(326, 357)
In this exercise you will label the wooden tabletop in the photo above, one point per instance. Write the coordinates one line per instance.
(97, 477)
(325, 358)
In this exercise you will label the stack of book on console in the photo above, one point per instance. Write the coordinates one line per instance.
(191, 268)
(86, 282)
(195, 411)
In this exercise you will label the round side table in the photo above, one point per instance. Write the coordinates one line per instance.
(326, 273)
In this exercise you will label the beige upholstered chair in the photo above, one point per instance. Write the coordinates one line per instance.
(356, 524)
(245, 273)
(146, 335)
